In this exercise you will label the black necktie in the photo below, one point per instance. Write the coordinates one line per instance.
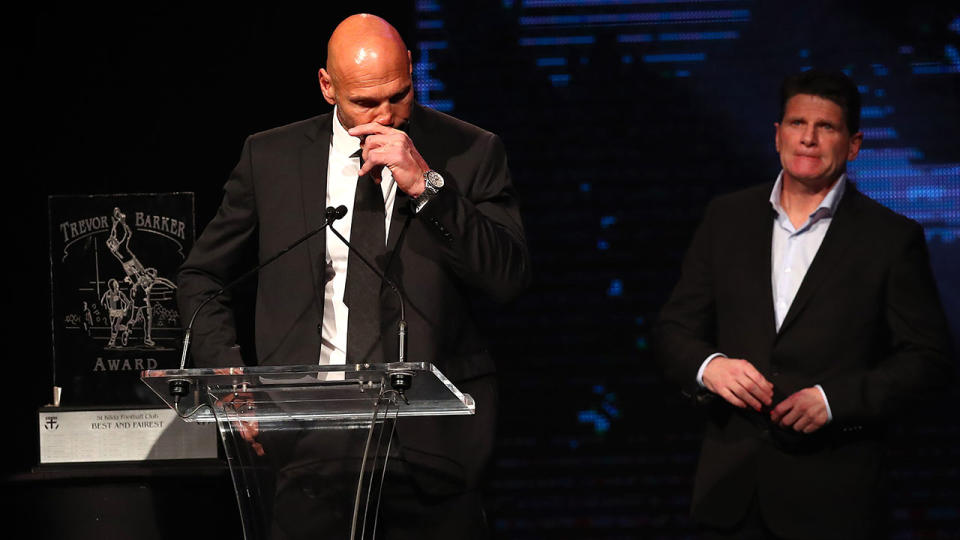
(362, 292)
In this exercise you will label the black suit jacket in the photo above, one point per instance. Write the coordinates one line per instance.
(466, 243)
(866, 324)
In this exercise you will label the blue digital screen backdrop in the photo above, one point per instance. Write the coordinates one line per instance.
(621, 119)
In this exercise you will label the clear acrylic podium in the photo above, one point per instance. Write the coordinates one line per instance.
(307, 433)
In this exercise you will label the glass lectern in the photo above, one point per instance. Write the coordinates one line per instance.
(310, 426)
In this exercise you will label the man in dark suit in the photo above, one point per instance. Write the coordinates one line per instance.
(431, 204)
(805, 318)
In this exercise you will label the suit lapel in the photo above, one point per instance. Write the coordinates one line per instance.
(836, 243)
(760, 268)
(401, 212)
(313, 186)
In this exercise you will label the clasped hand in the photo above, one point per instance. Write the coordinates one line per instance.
(739, 383)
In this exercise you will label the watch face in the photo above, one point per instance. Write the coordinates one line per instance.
(434, 179)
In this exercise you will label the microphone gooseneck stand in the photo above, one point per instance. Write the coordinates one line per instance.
(400, 382)
(181, 387)
(402, 325)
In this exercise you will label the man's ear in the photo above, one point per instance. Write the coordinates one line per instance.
(855, 143)
(326, 86)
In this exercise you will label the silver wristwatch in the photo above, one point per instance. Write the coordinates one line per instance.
(432, 184)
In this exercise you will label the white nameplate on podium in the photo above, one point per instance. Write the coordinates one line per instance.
(86, 436)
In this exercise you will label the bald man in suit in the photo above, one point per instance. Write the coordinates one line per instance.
(432, 204)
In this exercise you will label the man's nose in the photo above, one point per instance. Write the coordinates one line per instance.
(809, 136)
(384, 115)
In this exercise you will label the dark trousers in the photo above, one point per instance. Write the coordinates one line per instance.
(315, 491)
(751, 527)
(322, 507)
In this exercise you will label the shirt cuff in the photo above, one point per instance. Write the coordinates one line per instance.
(825, 402)
(703, 366)
(420, 202)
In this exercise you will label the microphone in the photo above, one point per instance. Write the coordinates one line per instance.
(180, 387)
(400, 380)
(334, 214)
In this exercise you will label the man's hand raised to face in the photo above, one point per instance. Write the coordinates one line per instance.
(738, 382)
(391, 148)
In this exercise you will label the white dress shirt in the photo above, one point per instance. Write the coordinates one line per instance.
(794, 248)
(342, 169)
